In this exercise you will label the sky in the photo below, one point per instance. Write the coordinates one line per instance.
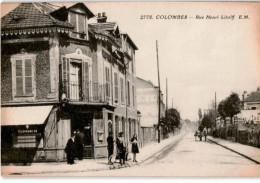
(198, 56)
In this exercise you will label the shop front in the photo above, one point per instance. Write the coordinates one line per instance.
(22, 132)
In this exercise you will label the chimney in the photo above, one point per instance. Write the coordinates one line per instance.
(244, 95)
(102, 18)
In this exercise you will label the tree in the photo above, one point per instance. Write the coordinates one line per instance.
(232, 106)
(200, 113)
(206, 121)
(229, 107)
(173, 119)
(222, 111)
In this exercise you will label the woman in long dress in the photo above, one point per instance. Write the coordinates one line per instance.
(135, 148)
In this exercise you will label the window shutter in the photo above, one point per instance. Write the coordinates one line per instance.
(122, 90)
(73, 21)
(28, 76)
(64, 74)
(19, 77)
(116, 85)
(107, 83)
(82, 27)
(128, 93)
(133, 91)
(86, 80)
(68, 76)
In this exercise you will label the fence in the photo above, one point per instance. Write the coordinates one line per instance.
(248, 136)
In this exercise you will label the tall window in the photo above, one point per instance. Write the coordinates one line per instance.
(132, 63)
(107, 82)
(79, 22)
(23, 74)
(116, 85)
(128, 93)
(122, 90)
(133, 91)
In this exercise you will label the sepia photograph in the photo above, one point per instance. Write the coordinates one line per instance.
(130, 89)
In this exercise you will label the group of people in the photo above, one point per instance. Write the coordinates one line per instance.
(200, 134)
(74, 147)
(121, 147)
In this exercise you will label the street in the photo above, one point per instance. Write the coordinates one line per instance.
(184, 157)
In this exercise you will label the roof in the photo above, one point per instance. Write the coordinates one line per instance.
(31, 15)
(130, 40)
(141, 83)
(108, 26)
(12, 116)
(103, 30)
(83, 6)
(253, 97)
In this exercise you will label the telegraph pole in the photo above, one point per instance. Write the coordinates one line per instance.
(215, 110)
(159, 95)
(166, 115)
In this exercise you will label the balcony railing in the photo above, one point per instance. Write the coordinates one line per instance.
(89, 92)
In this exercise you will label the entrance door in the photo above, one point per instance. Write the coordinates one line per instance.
(83, 122)
(75, 80)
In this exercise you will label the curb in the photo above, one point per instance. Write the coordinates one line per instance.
(243, 155)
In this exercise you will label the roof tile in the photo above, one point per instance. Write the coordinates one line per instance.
(30, 15)
(253, 97)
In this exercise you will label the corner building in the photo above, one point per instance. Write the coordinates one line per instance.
(59, 74)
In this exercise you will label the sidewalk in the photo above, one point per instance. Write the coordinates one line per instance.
(249, 152)
(87, 164)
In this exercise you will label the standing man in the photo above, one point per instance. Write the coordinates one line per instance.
(110, 145)
(121, 148)
(70, 150)
(79, 144)
(205, 134)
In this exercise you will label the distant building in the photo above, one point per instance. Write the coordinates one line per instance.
(251, 101)
(147, 102)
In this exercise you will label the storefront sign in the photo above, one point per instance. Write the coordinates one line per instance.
(28, 131)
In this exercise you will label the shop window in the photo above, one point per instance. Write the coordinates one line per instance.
(23, 75)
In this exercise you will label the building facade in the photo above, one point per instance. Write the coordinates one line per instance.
(80, 75)
(251, 101)
(147, 101)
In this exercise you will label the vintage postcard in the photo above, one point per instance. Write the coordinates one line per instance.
(130, 89)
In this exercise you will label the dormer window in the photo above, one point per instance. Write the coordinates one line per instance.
(80, 23)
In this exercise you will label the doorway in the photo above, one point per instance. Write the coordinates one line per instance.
(75, 80)
(83, 122)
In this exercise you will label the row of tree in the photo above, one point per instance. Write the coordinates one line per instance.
(228, 107)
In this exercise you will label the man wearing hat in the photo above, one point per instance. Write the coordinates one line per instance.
(121, 147)
(110, 145)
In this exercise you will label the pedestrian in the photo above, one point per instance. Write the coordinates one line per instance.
(79, 137)
(121, 148)
(205, 134)
(110, 145)
(70, 150)
(135, 148)
(195, 135)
